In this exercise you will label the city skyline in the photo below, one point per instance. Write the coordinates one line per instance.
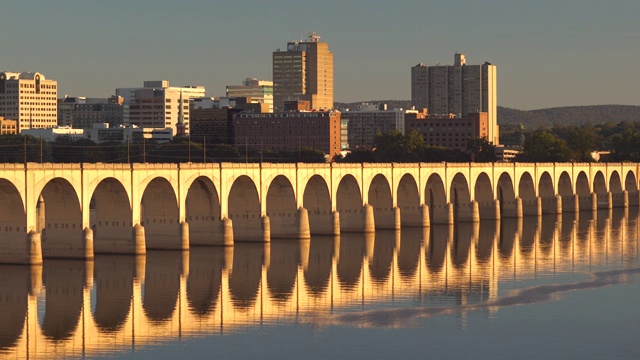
(549, 54)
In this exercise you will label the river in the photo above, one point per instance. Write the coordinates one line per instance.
(548, 287)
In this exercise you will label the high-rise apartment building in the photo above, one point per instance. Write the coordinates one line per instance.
(458, 89)
(260, 91)
(304, 71)
(158, 105)
(29, 98)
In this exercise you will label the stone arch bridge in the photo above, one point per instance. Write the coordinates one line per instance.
(76, 210)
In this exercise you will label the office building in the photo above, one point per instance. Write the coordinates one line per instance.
(157, 105)
(367, 120)
(303, 71)
(448, 130)
(458, 89)
(30, 99)
(290, 131)
(81, 112)
(259, 91)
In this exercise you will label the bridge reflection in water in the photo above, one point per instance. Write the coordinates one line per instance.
(120, 303)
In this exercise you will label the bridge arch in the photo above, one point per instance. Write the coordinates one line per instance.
(111, 217)
(281, 208)
(460, 198)
(436, 198)
(113, 289)
(505, 193)
(349, 204)
(408, 201)
(244, 280)
(317, 200)
(528, 194)
(565, 190)
(205, 279)
(583, 190)
(615, 187)
(244, 210)
(631, 185)
(483, 191)
(13, 218)
(318, 272)
(600, 189)
(60, 220)
(160, 215)
(64, 282)
(380, 198)
(547, 194)
(202, 212)
(161, 285)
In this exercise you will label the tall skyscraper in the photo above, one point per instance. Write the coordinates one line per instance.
(304, 71)
(458, 89)
(30, 99)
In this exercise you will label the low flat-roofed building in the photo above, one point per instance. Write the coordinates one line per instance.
(290, 131)
(8, 126)
(448, 131)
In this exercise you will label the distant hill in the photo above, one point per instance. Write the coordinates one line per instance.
(569, 115)
(531, 119)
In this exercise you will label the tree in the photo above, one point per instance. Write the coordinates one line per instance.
(396, 147)
(626, 146)
(543, 146)
(481, 150)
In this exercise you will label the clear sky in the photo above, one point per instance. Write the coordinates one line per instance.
(548, 52)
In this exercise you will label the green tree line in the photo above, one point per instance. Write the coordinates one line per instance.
(19, 149)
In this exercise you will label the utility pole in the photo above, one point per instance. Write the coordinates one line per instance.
(40, 149)
(25, 149)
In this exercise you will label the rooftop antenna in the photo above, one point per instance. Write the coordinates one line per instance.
(313, 36)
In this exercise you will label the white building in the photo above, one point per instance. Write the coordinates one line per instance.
(99, 133)
(30, 99)
(367, 120)
(157, 105)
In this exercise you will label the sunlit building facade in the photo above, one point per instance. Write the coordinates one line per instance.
(458, 89)
(303, 71)
(30, 99)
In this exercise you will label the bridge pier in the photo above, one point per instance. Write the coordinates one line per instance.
(184, 235)
(518, 212)
(87, 239)
(34, 248)
(303, 223)
(442, 214)
(496, 213)
(426, 220)
(369, 225)
(397, 219)
(139, 240)
(266, 228)
(609, 200)
(469, 212)
(227, 232)
(575, 204)
(625, 199)
(594, 201)
(336, 223)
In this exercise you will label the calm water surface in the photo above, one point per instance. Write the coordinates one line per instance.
(552, 287)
